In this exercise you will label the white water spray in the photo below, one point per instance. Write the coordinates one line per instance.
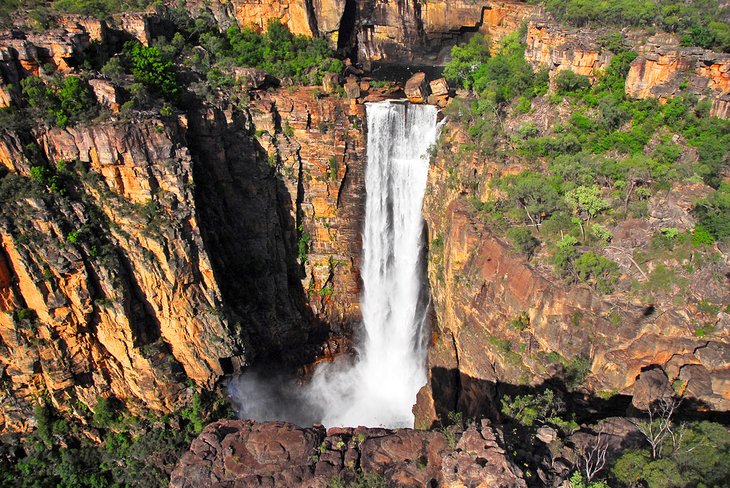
(380, 388)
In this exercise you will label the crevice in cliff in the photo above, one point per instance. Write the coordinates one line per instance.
(347, 38)
(311, 17)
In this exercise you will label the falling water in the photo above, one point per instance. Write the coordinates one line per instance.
(380, 388)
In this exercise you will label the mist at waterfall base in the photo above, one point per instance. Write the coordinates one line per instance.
(379, 386)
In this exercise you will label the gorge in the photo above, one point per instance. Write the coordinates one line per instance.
(201, 195)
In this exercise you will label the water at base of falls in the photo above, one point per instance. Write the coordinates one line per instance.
(379, 388)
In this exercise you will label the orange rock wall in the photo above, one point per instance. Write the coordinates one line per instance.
(667, 72)
(558, 49)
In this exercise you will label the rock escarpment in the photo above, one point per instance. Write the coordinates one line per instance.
(662, 70)
(245, 453)
(503, 324)
(149, 250)
(665, 72)
(557, 49)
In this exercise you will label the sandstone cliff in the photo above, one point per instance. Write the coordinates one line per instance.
(245, 453)
(665, 72)
(557, 49)
(480, 286)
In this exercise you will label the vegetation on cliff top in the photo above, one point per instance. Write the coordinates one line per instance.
(701, 23)
(586, 175)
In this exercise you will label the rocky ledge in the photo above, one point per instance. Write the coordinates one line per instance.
(246, 453)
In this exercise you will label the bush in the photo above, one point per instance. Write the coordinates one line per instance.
(600, 272)
(152, 69)
(466, 60)
(530, 409)
(283, 54)
(63, 102)
(523, 240)
(713, 213)
(568, 82)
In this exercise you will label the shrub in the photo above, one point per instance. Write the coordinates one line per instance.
(701, 236)
(466, 60)
(65, 101)
(602, 273)
(152, 69)
(714, 214)
(283, 54)
(568, 82)
(523, 240)
(535, 408)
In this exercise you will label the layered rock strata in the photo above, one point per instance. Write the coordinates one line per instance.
(665, 72)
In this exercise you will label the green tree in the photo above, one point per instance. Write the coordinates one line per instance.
(152, 69)
(537, 195)
(586, 203)
(466, 60)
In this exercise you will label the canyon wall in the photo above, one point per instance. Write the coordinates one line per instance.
(481, 287)
(140, 252)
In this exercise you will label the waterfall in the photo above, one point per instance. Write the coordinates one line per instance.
(380, 388)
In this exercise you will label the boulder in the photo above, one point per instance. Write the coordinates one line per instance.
(352, 87)
(651, 386)
(439, 87)
(249, 453)
(251, 78)
(417, 88)
(330, 82)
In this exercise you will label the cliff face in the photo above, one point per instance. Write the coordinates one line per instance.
(111, 292)
(146, 251)
(399, 32)
(246, 453)
(665, 72)
(557, 49)
(423, 33)
(480, 287)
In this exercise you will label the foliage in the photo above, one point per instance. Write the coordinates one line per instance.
(303, 245)
(466, 60)
(695, 19)
(153, 69)
(283, 54)
(99, 8)
(714, 213)
(577, 481)
(535, 194)
(602, 273)
(134, 452)
(527, 410)
(63, 102)
(523, 240)
(568, 82)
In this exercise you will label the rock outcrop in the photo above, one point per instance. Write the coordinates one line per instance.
(246, 453)
(557, 48)
(665, 72)
(480, 286)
